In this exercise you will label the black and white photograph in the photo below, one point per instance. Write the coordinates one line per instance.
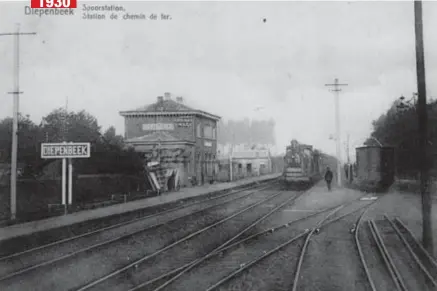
(218, 145)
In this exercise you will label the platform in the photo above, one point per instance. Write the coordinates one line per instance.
(318, 197)
(61, 221)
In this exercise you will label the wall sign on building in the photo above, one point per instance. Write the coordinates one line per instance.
(183, 124)
(158, 126)
(208, 144)
(184, 121)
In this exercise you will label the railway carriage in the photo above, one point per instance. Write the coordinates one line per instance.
(375, 167)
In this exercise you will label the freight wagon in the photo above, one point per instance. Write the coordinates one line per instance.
(375, 167)
(301, 165)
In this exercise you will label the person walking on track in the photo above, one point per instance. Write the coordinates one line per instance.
(328, 177)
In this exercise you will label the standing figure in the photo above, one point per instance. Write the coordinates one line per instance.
(328, 177)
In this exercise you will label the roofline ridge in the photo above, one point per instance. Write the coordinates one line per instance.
(191, 112)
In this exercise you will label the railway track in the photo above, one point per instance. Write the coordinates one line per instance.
(332, 252)
(220, 263)
(227, 249)
(167, 281)
(195, 245)
(52, 237)
(408, 265)
(12, 247)
(16, 265)
(428, 262)
(255, 273)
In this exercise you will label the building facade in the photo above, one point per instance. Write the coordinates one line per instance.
(245, 163)
(176, 135)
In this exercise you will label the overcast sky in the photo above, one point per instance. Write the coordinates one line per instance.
(224, 59)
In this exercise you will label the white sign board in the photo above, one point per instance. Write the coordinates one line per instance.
(65, 150)
(158, 126)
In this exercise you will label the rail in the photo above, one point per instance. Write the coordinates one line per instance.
(107, 242)
(224, 245)
(321, 224)
(360, 251)
(410, 250)
(145, 258)
(394, 273)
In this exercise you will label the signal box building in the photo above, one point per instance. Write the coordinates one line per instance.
(176, 136)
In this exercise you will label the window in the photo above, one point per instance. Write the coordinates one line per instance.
(208, 131)
(214, 133)
(198, 130)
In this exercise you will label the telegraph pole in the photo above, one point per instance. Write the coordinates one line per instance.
(349, 173)
(230, 165)
(15, 109)
(427, 238)
(348, 152)
(336, 91)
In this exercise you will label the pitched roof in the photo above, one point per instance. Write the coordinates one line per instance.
(165, 105)
(155, 136)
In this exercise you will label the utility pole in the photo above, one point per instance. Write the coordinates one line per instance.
(231, 153)
(346, 145)
(15, 109)
(348, 159)
(63, 138)
(427, 238)
(336, 91)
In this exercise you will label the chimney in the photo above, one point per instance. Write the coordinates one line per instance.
(180, 99)
(167, 95)
(160, 99)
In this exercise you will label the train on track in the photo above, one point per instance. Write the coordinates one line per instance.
(302, 165)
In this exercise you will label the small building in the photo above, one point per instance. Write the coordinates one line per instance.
(176, 135)
(245, 163)
(252, 162)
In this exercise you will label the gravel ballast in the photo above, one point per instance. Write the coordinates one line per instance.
(68, 247)
(76, 271)
(190, 250)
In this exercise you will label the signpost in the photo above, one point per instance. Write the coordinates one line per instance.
(66, 151)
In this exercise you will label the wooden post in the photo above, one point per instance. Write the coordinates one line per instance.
(423, 120)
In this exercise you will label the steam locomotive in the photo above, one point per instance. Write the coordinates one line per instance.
(302, 165)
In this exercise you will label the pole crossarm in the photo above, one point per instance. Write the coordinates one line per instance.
(18, 33)
(336, 86)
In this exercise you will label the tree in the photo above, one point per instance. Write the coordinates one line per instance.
(108, 153)
(107, 150)
(112, 138)
(61, 125)
(399, 128)
(29, 137)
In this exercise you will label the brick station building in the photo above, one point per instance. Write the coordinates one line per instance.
(177, 135)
